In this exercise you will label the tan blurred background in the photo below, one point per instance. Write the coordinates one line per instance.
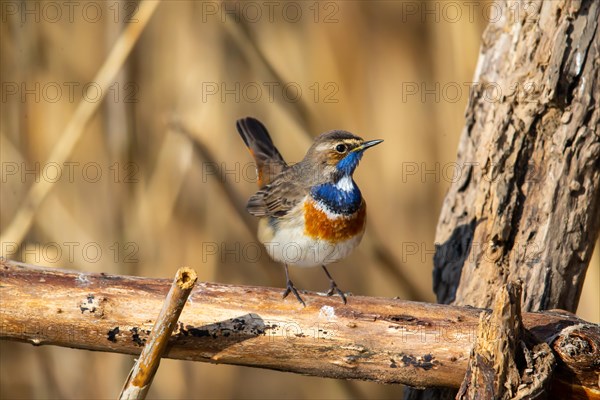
(134, 197)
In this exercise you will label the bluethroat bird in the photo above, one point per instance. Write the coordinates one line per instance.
(311, 213)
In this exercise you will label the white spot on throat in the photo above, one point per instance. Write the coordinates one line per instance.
(345, 184)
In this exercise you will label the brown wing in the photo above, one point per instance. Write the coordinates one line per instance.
(280, 196)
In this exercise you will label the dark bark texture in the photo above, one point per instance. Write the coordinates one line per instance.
(527, 206)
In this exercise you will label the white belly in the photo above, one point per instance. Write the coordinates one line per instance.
(290, 245)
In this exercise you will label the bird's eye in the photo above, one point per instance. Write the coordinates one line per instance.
(340, 148)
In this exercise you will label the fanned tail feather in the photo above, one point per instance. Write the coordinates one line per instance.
(269, 162)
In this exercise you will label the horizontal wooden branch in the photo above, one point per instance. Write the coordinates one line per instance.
(378, 339)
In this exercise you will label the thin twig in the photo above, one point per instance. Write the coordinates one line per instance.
(140, 378)
(21, 223)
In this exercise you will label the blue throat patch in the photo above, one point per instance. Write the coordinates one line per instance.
(335, 199)
(348, 164)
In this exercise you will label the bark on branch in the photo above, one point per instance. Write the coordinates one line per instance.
(378, 339)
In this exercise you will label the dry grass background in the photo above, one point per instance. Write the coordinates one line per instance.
(158, 204)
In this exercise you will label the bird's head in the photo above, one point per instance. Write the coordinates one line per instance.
(337, 153)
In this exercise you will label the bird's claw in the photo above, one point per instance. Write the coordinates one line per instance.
(334, 289)
(291, 288)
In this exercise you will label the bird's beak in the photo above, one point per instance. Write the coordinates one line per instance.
(368, 144)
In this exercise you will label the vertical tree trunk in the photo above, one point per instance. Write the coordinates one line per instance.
(527, 205)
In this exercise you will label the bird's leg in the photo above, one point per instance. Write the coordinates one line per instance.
(334, 287)
(291, 288)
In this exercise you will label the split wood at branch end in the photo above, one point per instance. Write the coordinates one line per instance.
(506, 362)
